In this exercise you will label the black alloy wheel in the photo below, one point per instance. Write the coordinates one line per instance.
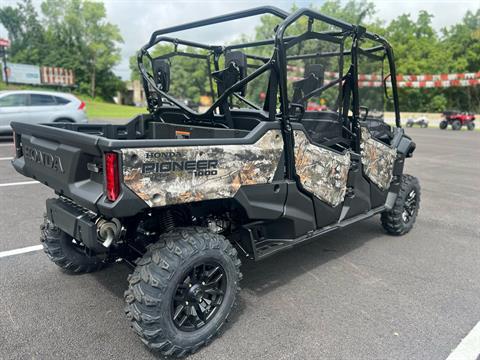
(410, 206)
(199, 296)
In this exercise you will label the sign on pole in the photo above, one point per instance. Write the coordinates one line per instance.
(4, 42)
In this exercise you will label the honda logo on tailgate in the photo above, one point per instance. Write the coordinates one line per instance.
(43, 158)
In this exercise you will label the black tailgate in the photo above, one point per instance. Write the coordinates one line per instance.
(60, 159)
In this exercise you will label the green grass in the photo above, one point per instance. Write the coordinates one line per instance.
(102, 110)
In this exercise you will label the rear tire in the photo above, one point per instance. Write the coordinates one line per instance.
(443, 124)
(175, 306)
(400, 219)
(471, 125)
(61, 249)
(456, 125)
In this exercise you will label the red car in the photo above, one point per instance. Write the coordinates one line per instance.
(457, 119)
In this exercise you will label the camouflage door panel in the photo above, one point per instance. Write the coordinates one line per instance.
(378, 159)
(322, 172)
(173, 175)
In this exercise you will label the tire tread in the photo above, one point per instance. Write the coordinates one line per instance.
(152, 274)
(51, 238)
(392, 220)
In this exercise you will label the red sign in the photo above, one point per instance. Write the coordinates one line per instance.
(4, 42)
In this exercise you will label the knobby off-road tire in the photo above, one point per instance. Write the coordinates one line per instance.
(400, 219)
(443, 124)
(456, 125)
(158, 295)
(471, 125)
(61, 249)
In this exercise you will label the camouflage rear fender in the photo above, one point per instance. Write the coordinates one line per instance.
(181, 174)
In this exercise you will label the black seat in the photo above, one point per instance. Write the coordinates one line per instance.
(313, 79)
(323, 126)
(379, 129)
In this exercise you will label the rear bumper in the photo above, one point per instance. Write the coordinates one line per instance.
(75, 221)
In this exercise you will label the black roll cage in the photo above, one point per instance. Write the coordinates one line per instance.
(277, 62)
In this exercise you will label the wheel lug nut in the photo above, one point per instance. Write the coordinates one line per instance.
(203, 282)
(189, 285)
(186, 302)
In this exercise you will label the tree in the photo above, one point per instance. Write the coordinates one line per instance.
(73, 34)
(80, 27)
(25, 32)
(463, 41)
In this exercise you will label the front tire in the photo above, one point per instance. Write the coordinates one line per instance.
(471, 125)
(443, 124)
(65, 252)
(183, 290)
(400, 219)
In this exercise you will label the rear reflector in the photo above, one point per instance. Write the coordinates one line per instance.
(17, 147)
(112, 176)
(82, 106)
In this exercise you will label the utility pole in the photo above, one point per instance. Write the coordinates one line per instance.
(4, 43)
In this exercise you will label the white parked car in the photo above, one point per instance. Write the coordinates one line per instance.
(39, 107)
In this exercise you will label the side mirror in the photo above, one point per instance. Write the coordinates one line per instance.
(161, 74)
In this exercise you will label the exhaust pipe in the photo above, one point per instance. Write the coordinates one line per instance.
(108, 231)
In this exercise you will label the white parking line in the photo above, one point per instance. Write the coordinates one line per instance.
(6, 158)
(5, 145)
(469, 347)
(20, 251)
(20, 183)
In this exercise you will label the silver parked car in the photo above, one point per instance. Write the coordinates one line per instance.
(39, 107)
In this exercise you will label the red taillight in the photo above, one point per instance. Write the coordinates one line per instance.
(82, 106)
(111, 176)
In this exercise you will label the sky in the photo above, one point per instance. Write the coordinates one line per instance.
(137, 19)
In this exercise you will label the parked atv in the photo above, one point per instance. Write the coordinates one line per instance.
(421, 121)
(457, 119)
(184, 196)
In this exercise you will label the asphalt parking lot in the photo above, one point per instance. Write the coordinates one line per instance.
(355, 294)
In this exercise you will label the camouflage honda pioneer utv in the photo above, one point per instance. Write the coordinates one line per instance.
(182, 195)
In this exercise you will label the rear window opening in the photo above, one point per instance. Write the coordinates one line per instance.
(61, 101)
